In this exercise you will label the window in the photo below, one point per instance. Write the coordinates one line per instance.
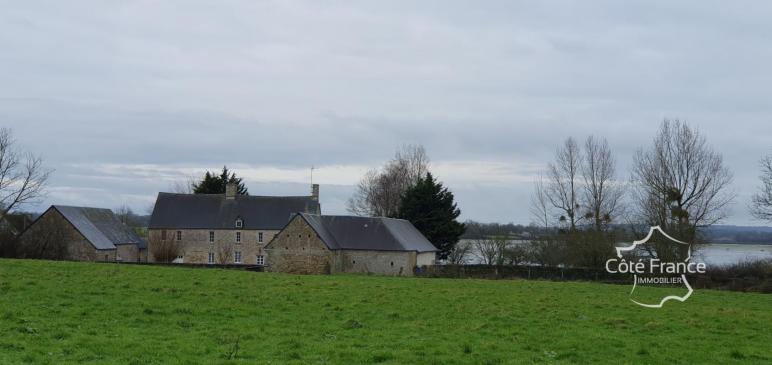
(260, 237)
(239, 223)
(179, 235)
(260, 260)
(238, 237)
(163, 235)
(211, 258)
(237, 257)
(211, 236)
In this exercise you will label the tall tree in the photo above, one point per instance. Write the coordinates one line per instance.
(431, 209)
(681, 182)
(214, 184)
(22, 175)
(761, 202)
(602, 194)
(380, 191)
(563, 188)
(540, 206)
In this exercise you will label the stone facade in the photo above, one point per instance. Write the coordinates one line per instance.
(78, 247)
(196, 246)
(130, 253)
(299, 250)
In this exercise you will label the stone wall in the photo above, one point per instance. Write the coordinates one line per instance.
(195, 245)
(77, 247)
(376, 262)
(298, 249)
(426, 258)
(127, 253)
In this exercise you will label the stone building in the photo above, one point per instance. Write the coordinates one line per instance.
(323, 244)
(222, 228)
(82, 234)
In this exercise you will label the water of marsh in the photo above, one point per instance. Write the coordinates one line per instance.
(713, 253)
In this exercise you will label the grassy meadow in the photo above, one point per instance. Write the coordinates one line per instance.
(67, 312)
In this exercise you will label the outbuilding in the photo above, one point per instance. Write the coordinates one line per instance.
(82, 234)
(325, 244)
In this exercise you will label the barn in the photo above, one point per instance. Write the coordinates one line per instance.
(82, 234)
(327, 244)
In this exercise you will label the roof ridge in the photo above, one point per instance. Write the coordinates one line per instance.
(357, 216)
(239, 196)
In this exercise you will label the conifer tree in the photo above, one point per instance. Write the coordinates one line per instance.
(431, 209)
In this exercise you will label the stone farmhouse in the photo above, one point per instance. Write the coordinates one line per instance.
(324, 244)
(223, 228)
(84, 234)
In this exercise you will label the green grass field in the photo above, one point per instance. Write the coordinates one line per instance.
(66, 312)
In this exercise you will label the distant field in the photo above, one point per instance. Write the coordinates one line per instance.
(65, 312)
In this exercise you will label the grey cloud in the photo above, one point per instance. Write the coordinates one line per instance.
(299, 83)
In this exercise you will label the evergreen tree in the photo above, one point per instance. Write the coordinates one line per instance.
(430, 207)
(214, 184)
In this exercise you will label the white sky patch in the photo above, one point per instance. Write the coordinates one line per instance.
(450, 172)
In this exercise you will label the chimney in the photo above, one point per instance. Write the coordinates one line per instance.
(315, 192)
(230, 191)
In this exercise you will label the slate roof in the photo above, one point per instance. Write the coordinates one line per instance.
(100, 227)
(214, 211)
(368, 233)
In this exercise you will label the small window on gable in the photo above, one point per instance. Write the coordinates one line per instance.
(179, 235)
(211, 236)
(260, 237)
(239, 223)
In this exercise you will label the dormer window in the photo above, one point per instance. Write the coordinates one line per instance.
(239, 223)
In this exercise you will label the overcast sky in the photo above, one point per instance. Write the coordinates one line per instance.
(122, 98)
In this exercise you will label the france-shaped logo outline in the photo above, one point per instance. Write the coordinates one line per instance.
(635, 276)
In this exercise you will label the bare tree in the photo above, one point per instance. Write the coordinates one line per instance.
(22, 175)
(761, 202)
(48, 239)
(490, 250)
(540, 205)
(380, 191)
(459, 254)
(224, 252)
(165, 249)
(183, 187)
(681, 183)
(602, 194)
(563, 188)
(516, 254)
(126, 215)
